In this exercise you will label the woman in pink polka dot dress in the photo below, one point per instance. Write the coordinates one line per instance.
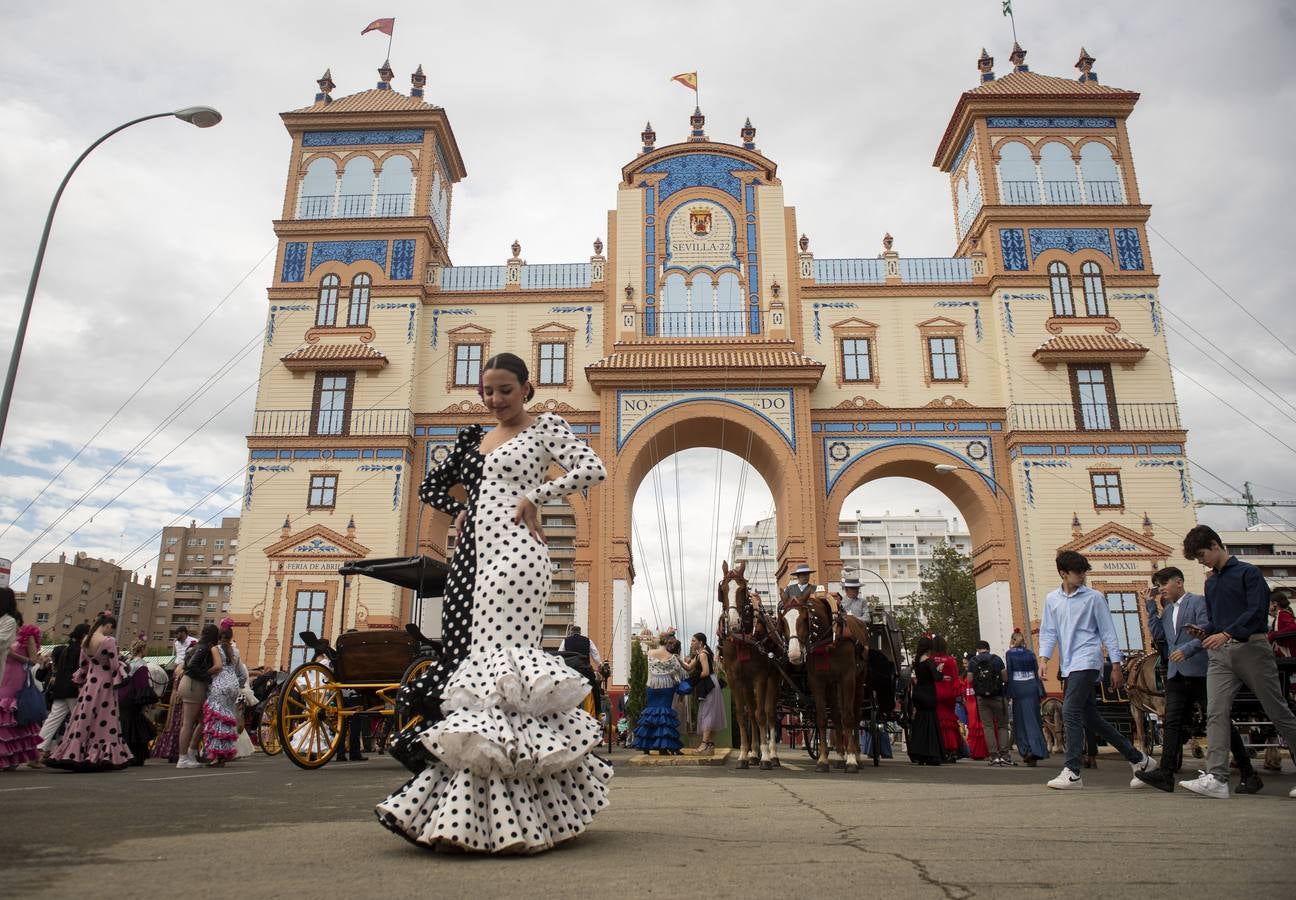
(511, 770)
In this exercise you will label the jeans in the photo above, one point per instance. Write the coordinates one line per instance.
(1182, 691)
(1080, 711)
(1237, 663)
(993, 712)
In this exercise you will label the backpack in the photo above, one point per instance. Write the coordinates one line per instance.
(197, 663)
(985, 680)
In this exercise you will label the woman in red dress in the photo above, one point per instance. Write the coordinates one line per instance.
(949, 688)
(975, 731)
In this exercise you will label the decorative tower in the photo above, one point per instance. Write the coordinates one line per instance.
(363, 232)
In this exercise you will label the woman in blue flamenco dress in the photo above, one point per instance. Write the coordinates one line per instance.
(658, 725)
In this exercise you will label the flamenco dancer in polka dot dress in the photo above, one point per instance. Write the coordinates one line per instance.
(93, 740)
(510, 768)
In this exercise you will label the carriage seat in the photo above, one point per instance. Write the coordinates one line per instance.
(378, 655)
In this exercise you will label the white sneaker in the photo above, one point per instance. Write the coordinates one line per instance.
(188, 762)
(1141, 766)
(1136, 784)
(1292, 793)
(1207, 785)
(1066, 780)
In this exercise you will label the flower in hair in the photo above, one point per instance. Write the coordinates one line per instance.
(226, 622)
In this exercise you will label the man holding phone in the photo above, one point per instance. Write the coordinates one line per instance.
(1078, 625)
(1237, 601)
(1172, 614)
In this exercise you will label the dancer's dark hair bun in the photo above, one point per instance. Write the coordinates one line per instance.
(511, 362)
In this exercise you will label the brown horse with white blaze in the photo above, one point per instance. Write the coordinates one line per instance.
(745, 648)
(807, 626)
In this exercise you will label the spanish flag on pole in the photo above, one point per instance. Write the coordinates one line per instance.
(386, 26)
(688, 79)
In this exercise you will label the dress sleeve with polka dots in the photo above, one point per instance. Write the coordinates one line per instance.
(435, 490)
(558, 444)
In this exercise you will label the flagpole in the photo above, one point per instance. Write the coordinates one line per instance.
(393, 34)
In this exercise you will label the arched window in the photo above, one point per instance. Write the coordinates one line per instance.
(394, 186)
(729, 300)
(1101, 177)
(1095, 295)
(356, 198)
(674, 306)
(358, 311)
(326, 314)
(968, 197)
(1057, 167)
(1060, 288)
(315, 200)
(1017, 174)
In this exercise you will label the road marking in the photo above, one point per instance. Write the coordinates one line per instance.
(43, 787)
(203, 775)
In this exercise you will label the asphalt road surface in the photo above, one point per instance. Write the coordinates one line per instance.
(263, 828)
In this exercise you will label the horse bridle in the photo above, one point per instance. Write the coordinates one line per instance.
(749, 614)
(818, 635)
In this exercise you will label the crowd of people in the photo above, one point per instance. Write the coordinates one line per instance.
(84, 706)
(672, 679)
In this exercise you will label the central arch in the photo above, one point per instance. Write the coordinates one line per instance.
(705, 423)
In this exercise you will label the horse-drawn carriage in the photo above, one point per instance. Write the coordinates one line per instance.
(808, 669)
(361, 675)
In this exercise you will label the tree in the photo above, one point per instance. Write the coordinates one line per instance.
(638, 687)
(946, 603)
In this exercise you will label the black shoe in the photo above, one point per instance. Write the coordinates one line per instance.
(1249, 785)
(359, 758)
(1157, 778)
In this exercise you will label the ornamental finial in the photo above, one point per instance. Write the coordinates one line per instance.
(326, 86)
(1018, 58)
(1085, 65)
(985, 65)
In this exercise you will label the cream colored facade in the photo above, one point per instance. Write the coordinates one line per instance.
(710, 322)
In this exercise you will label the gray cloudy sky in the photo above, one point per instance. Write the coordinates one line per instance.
(547, 100)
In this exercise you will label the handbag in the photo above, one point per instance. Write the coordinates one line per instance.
(31, 703)
(704, 688)
(685, 687)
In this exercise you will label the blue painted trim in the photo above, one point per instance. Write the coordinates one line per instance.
(1165, 448)
(265, 454)
(929, 426)
(958, 157)
(348, 252)
(346, 454)
(402, 260)
(306, 454)
(911, 442)
(390, 454)
(1069, 240)
(973, 426)
(362, 138)
(700, 170)
(705, 396)
(294, 262)
(1049, 122)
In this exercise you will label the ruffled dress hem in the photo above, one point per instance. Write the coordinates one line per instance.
(513, 770)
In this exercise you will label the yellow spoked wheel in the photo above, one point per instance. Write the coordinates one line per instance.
(268, 732)
(405, 718)
(310, 716)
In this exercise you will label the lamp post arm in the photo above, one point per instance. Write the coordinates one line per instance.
(887, 587)
(12, 373)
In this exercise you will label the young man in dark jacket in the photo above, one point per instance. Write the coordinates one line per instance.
(62, 692)
(1237, 603)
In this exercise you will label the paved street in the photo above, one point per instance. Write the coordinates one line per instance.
(263, 828)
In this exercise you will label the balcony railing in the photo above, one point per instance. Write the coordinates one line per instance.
(936, 270)
(1073, 193)
(305, 422)
(730, 323)
(353, 206)
(850, 271)
(1094, 417)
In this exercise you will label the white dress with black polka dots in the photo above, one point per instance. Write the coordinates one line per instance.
(512, 771)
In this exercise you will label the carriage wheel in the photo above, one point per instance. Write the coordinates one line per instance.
(310, 716)
(404, 718)
(875, 741)
(268, 730)
(812, 738)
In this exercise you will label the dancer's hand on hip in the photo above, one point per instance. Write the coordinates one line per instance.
(459, 521)
(528, 514)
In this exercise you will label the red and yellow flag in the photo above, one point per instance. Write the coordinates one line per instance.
(688, 79)
(386, 26)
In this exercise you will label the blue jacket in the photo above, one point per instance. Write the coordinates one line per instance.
(1237, 598)
(1192, 611)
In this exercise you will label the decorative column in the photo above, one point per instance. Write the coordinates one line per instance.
(628, 329)
(892, 259)
(598, 262)
(805, 261)
(513, 272)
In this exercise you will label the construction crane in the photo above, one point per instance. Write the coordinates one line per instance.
(1250, 503)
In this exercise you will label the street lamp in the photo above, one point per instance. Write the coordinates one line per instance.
(947, 468)
(199, 116)
(887, 587)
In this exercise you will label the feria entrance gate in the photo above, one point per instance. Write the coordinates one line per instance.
(1031, 365)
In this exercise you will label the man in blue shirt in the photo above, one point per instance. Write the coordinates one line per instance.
(1170, 612)
(1237, 603)
(1078, 625)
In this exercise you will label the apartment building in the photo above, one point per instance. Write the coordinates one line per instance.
(60, 595)
(195, 574)
(887, 553)
(1268, 547)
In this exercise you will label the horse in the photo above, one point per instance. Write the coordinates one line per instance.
(832, 670)
(745, 650)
